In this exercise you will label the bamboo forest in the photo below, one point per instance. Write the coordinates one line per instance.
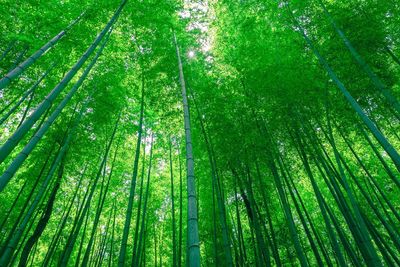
(200, 133)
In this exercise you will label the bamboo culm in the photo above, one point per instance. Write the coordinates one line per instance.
(14, 73)
(17, 162)
(16, 137)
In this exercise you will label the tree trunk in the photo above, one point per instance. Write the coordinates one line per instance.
(75, 231)
(357, 108)
(180, 211)
(31, 91)
(139, 213)
(16, 137)
(8, 49)
(17, 162)
(363, 64)
(43, 220)
(29, 61)
(128, 218)
(142, 227)
(174, 264)
(99, 209)
(193, 244)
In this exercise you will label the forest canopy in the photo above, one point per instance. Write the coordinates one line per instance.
(200, 133)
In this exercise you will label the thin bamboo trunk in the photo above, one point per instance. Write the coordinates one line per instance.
(16, 137)
(371, 256)
(142, 227)
(174, 260)
(139, 209)
(63, 222)
(394, 155)
(363, 64)
(31, 91)
(43, 220)
(215, 183)
(320, 200)
(12, 243)
(193, 244)
(392, 55)
(128, 218)
(13, 74)
(8, 49)
(111, 254)
(19, 160)
(73, 236)
(99, 209)
(180, 211)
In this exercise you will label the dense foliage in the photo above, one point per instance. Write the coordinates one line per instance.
(199, 133)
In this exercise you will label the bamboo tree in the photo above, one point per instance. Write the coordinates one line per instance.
(17, 234)
(394, 155)
(302, 219)
(17, 162)
(26, 110)
(248, 200)
(106, 239)
(372, 259)
(99, 209)
(27, 202)
(110, 259)
(274, 245)
(214, 228)
(128, 218)
(283, 199)
(289, 216)
(75, 231)
(143, 254)
(10, 144)
(215, 182)
(32, 241)
(139, 209)
(10, 46)
(78, 257)
(30, 92)
(193, 245)
(142, 227)
(24, 237)
(384, 249)
(18, 59)
(360, 60)
(320, 200)
(155, 246)
(39, 196)
(281, 183)
(174, 263)
(355, 259)
(393, 233)
(28, 198)
(369, 175)
(15, 72)
(180, 211)
(242, 246)
(63, 222)
(312, 226)
(388, 170)
(392, 55)
(330, 177)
